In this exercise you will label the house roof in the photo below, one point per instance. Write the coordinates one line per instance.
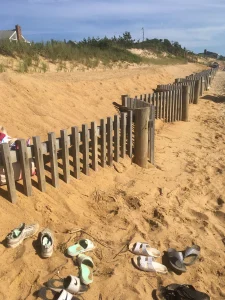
(6, 34)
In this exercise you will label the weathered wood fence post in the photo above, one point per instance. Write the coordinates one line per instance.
(9, 173)
(141, 136)
(151, 139)
(197, 91)
(202, 86)
(185, 102)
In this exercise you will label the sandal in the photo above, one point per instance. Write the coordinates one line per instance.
(80, 247)
(191, 254)
(48, 294)
(182, 292)
(176, 260)
(148, 264)
(71, 284)
(86, 268)
(64, 295)
(143, 249)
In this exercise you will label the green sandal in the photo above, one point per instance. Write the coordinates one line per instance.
(86, 268)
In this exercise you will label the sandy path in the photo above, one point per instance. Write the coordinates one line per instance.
(125, 203)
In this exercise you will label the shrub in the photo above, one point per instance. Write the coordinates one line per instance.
(44, 67)
(2, 68)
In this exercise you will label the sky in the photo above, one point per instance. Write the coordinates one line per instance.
(195, 24)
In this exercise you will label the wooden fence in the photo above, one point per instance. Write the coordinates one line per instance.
(169, 100)
(100, 145)
(79, 151)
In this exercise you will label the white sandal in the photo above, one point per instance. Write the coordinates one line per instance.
(71, 284)
(143, 249)
(148, 264)
(64, 295)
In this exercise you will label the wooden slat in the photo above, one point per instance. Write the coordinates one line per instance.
(129, 133)
(103, 143)
(9, 173)
(39, 163)
(110, 141)
(152, 135)
(25, 167)
(160, 105)
(124, 100)
(181, 104)
(94, 146)
(173, 106)
(153, 99)
(176, 107)
(163, 105)
(85, 149)
(123, 134)
(65, 155)
(76, 151)
(53, 159)
(116, 126)
(128, 102)
(170, 105)
(157, 105)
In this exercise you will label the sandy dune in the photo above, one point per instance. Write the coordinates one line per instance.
(178, 202)
(35, 104)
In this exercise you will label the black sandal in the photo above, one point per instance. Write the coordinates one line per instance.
(183, 292)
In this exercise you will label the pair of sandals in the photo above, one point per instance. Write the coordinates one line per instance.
(180, 259)
(73, 285)
(181, 292)
(145, 259)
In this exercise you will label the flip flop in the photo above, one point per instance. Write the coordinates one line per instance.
(81, 246)
(71, 284)
(86, 268)
(191, 254)
(176, 260)
(181, 292)
(143, 249)
(148, 264)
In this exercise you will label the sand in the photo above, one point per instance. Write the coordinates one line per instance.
(176, 203)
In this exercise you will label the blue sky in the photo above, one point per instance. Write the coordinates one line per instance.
(196, 24)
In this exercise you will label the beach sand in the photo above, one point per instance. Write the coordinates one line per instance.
(176, 203)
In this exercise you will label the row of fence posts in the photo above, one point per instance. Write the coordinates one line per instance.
(106, 143)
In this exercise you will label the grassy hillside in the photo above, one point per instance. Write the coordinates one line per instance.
(91, 52)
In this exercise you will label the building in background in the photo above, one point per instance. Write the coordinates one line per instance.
(13, 35)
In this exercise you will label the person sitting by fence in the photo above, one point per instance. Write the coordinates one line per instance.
(5, 138)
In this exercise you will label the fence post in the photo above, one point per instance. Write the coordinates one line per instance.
(25, 167)
(65, 155)
(202, 86)
(124, 100)
(141, 136)
(177, 80)
(53, 159)
(185, 102)
(151, 139)
(39, 162)
(76, 151)
(196, 91)
(210, 80)
(9, 173)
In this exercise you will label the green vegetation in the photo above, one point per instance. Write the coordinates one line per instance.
(90, 52)
(2, 68)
